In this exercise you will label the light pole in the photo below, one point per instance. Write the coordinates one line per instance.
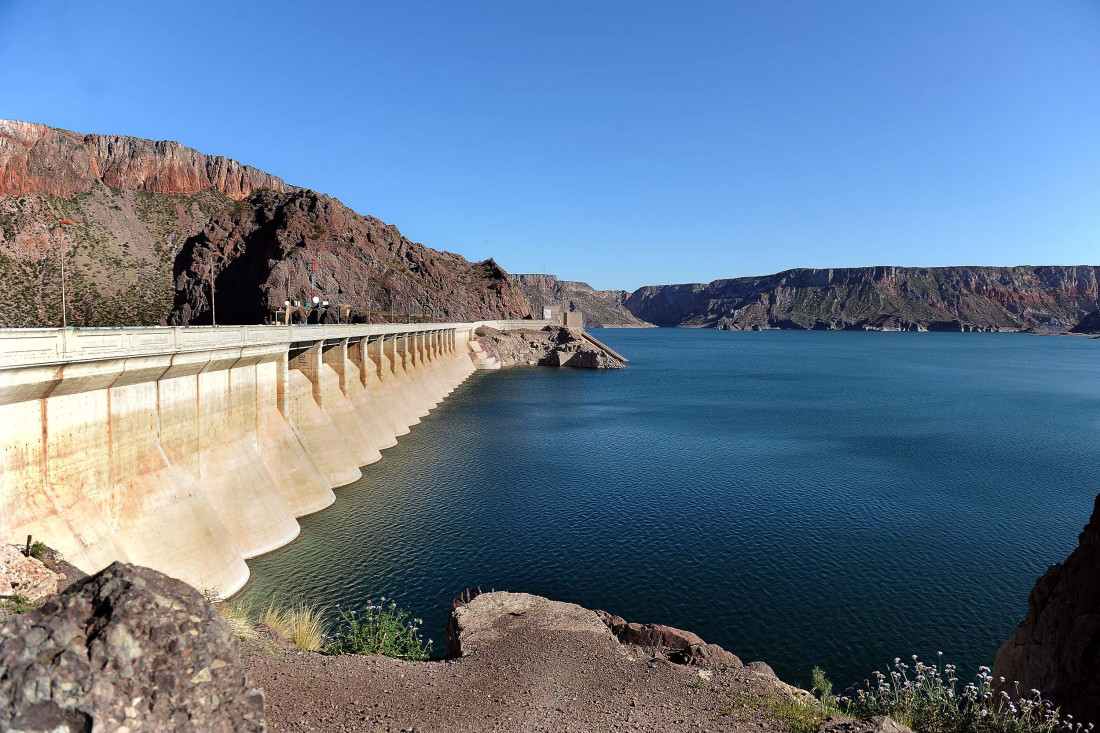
(339, 319)
(61, 237)
(213, 276)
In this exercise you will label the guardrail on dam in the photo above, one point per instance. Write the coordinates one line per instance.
(189, 450)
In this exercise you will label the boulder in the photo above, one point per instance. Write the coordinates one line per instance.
(479, 624)
(125, 649)
(877, 724)
(1056, 648)
(762, 668)
(681, 647)
(24, 576)
(705, 655)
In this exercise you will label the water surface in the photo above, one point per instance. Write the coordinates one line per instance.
(805, 498)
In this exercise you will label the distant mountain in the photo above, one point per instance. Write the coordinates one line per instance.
(1026, 298)
(156, 220)
(601, 308)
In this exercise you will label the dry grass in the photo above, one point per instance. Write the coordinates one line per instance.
(238, 614)
(300, 623)
(799, 714)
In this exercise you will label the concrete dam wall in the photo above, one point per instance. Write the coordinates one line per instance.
(189, 450)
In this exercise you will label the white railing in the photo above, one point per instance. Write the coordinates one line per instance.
(40, 346)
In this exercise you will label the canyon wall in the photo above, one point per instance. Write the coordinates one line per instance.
(1026, 298)
(191, 450)
(601, 308)
(159, 226)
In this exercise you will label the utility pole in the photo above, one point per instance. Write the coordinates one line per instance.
(214, 254)
(64, 304)
(339, 307)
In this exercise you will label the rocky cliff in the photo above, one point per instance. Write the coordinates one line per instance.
(158, 223)
(601, 308)
(1050, 299)
(36, 159)
(1056, 647)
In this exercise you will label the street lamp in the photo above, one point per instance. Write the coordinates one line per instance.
(338, 318)
(64, 305)
(213, 276)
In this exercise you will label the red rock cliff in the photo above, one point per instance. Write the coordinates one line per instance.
(159, 223)
(39, 159)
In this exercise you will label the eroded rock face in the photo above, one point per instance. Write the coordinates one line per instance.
(881, 298)
(1089, 324)
(1056, 648)
(291, 246)
(36, 159)
(126, 649)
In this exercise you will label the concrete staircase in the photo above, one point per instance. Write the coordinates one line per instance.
(481, 359)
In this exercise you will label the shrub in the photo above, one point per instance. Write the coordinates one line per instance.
(800, 714)
(823, 689)
(300, 623)
(38, 549)
(930, 702)
(16, 603)
(380, 629)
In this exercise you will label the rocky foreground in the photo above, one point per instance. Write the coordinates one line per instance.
(130, 649)
(522, 663)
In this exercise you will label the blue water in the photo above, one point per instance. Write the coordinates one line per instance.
(805, 498)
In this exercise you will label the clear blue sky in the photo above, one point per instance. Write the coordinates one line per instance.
(622, 143)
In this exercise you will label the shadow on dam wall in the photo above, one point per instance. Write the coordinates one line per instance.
(189, 450)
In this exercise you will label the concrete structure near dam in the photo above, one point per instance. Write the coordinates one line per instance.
(189, 450)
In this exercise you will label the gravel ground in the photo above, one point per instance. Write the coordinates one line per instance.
(528, 679)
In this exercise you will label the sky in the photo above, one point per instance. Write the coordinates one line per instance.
(619, 143)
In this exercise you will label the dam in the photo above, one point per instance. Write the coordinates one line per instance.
(191, 449)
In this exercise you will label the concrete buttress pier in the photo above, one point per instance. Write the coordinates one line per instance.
(190, 450)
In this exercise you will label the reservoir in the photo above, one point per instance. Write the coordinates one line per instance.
(836, 499)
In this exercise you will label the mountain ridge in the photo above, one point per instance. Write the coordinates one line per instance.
(165, 233)
(1043, 298)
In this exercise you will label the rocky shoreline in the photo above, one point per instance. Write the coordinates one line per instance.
(132, 649)
(550, 346)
